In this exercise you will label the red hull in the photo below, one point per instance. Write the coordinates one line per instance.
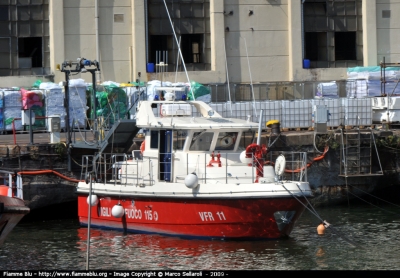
(11, 212)
(255, 218)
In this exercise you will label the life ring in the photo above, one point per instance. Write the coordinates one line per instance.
(256, 150)
(142, 147)
(252, 149)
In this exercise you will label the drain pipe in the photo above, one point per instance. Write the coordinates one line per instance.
(96, 18)
(146, 26)
(302, 29)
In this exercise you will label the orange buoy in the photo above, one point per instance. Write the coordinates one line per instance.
(321, 229)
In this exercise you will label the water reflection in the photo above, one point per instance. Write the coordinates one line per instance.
(62, 245)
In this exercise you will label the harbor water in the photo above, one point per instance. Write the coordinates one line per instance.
(364, 238)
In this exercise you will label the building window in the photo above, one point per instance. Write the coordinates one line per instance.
(118, 18)
(24, 38)
(385, 13)
(4, 13)
(332, 33)
(30, 52)
(191, 20)
(191, 48)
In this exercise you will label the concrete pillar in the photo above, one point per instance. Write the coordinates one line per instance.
(56, 26)
(138, 40)
(370, 49)
(295, 38)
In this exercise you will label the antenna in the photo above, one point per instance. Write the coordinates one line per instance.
(179, 48)
(251, 81)
(227, 78)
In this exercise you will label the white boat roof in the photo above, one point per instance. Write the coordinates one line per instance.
(209, 118)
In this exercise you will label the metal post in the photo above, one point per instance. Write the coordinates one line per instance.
(226, 168)
(205, 168)
(30, 127)
(67, 127)
(89, 216)
(95, 127)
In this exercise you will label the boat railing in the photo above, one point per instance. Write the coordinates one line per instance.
(11, 183)
(117, 168)
(224, 167)
(296, 164)
(221, 167)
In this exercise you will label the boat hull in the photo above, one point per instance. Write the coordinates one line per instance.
(242, 218)
(11, 212)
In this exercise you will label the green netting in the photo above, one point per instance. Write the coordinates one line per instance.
(111, 104)
(115, 94)
(118, 111)
(198, 90)
(37, 83)
(102, 99)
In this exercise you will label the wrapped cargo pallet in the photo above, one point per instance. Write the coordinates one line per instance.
(366, 81)
(12, 109)
(34, 99)
(134, 95)
(77, 103)
(327, 89)
(54, 101)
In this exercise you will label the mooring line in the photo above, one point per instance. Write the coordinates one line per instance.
(375, 196)
(326, 224)
(373, 204)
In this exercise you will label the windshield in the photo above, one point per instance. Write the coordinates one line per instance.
(201, 141)
(226, 141)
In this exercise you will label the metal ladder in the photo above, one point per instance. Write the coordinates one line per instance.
(356, 154)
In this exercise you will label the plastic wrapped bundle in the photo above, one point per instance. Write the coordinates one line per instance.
(134, 95)
(375, 88)
(327, 89)
(12, 98)
(10, 114)
(1, 119)
(356, 88)
(12, 109)
(77, 117)
(31, 99)
(54, 97)
(77, 97)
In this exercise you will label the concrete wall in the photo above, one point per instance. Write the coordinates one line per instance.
(73, 25)
(262, 46)
(23, 81)
(388, 41)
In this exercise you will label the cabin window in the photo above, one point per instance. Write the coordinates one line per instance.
(154, 139)
(201, 141)
(246, 139)
(179, 139)
(226, 141)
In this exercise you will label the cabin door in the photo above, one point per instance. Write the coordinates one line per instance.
(165, 150)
